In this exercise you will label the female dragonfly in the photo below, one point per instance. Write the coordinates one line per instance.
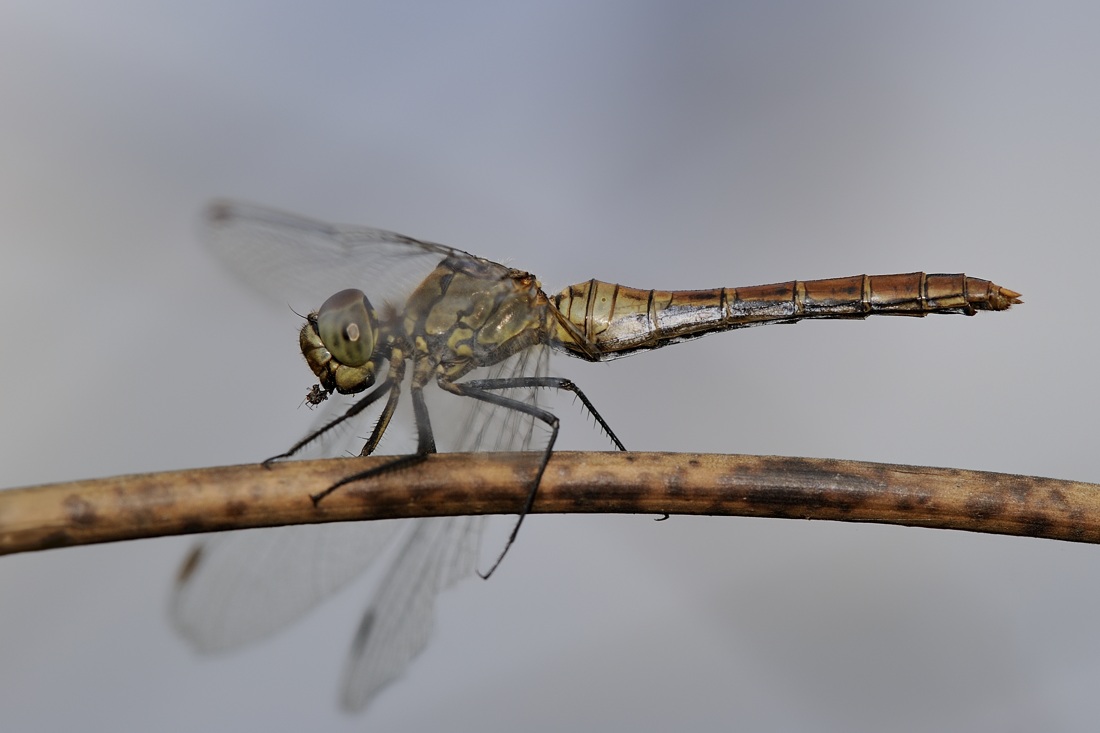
(407, 315)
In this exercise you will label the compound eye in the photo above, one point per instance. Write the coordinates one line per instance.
(346, 327)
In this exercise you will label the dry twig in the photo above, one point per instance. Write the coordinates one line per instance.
(236, 497)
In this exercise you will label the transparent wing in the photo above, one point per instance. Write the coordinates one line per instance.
(235, 588)
(299, 261)
(239, 587)
(439, 552)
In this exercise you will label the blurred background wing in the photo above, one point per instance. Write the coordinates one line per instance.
(238, 587)
(397, 626)
(234, 588)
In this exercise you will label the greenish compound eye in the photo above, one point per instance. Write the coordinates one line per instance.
(346, 327)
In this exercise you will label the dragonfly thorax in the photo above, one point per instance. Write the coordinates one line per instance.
(471, 312)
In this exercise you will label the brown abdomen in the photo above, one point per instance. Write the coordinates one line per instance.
(603, 320)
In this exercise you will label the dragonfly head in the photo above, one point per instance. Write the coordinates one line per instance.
(338, 342)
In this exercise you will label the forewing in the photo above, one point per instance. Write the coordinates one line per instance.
(299, 261)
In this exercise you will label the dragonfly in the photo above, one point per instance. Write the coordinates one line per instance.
(405, 315)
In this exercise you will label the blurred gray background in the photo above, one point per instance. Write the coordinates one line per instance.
(659, 144)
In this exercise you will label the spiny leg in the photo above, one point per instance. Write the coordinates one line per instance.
(425, 442)
(548, 383)
(480, 389)
(382, 423)
(354, 410)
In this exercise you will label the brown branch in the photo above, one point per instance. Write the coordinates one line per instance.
(236, 497)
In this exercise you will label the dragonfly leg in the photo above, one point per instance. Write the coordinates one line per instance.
(482, 389)
(351, 412)
(382, 423)
(425, 442)
(549, 383)
(397, 463)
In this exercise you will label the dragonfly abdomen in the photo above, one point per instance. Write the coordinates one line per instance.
(610, 320)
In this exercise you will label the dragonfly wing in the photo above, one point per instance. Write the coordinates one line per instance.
(299, 261)
(398, 624)
(238, 587)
